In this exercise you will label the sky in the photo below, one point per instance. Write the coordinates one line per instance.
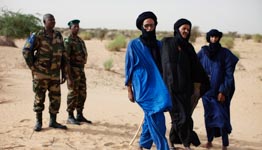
(241, 16)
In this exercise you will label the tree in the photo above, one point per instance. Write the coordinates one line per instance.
(17, 25)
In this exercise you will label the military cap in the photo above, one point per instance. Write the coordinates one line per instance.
(75, 21)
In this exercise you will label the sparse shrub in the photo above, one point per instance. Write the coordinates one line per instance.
(108, 64)
(236, 53)
(232, 34)
(257, 38)
(85, 35)
(227, 42)
(17, 25)
(194, 34)
(101, 34)
(4, 41)
(246, 37)
(118, 43)
(161, 34)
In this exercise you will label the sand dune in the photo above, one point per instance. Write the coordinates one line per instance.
(115, 118)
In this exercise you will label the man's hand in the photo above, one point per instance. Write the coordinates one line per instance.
(70, 83)
(63, 78)
(221, 97)
(130, 93)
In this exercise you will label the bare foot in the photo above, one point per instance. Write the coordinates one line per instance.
(208, 145)
(172, 148)
(188, 148)
(224, 147)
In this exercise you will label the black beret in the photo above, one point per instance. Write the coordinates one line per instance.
(145, 15)
(213, 32)
(180, 22)
(75, 21)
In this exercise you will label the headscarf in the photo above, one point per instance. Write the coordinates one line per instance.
(213, 48)
(213, 32)
(178, 38)
(148, 38)
(145, 15)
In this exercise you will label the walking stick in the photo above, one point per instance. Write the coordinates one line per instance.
(140, 125)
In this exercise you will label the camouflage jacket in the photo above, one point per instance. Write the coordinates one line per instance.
(76, 51)
(47, 56)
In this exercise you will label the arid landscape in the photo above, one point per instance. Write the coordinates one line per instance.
(115, 119)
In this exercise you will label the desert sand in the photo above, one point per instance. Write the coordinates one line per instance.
(115, 119)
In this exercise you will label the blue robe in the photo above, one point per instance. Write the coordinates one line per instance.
(220, 70)
(150, 93)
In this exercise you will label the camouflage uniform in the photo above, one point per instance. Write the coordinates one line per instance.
(46, 59)
(77, 53)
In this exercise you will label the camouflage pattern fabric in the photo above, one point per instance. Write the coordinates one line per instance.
(40, 86)
(48, 53)
(46, 58)
(77, 53)
(77, 94)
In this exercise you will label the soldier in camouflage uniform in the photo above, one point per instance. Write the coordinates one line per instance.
(77, 53)
(45, 55)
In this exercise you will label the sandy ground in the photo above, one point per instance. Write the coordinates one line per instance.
(115, 119)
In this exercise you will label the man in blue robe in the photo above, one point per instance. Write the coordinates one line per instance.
(145, 84)
(219, 63)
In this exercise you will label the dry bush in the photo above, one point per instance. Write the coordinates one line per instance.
(4, 41)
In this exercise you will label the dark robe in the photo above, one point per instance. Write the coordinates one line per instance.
(181, 69)
(221, 69)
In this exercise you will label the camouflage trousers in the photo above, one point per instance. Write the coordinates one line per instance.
(77, 93)
(40, 86)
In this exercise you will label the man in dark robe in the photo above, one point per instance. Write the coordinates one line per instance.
(219, 63)
(184, 77)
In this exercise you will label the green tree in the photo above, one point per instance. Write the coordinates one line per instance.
(17, 25)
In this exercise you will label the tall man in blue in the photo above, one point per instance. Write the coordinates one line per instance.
(144, 82)
(219, 63)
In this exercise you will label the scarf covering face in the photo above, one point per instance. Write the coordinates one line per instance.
(148, 38)
(213, 48)
(183, 42)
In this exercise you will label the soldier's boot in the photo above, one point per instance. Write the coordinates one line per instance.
(38, 125)
(81, 118)
(71, 119)
(54, 124)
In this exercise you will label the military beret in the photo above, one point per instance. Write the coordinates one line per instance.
(75, 21)
(145, 15)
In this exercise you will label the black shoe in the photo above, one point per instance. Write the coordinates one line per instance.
(57, 125)
(72, 120)
(38, 125)
(54, 124)
(81, 118)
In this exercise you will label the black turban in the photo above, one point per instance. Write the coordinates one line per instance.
(145, 15)
(213, 32)
(180, 22)
(177, 34)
